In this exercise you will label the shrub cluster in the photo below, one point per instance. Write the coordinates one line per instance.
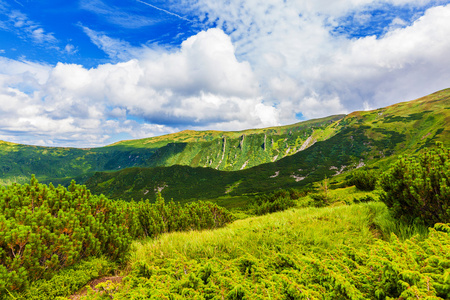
(277, 201)
(417, 188)
(322, 197)
(161, 217)
(364, 199)
(44, 229)
(364, 180)
(394, 269)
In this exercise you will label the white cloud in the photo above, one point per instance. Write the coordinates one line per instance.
(406, 63)
(314, 107)
(116, 49)
(27, 28)
(70, 49)
(200, 85)
(296, 59)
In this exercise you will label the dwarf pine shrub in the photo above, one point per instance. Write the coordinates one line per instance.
(44, 229)
(418, 187)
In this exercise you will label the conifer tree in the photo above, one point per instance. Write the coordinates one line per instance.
(418, 187)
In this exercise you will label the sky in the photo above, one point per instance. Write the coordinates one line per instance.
(87, 73)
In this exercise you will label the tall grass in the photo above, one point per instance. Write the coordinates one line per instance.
(292, 231)
(309, 253)
(387, 224)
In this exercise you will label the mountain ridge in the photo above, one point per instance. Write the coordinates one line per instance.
(196, 164)
(193, 148)
(365, 138)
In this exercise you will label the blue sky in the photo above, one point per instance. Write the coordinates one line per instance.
(91, 72)
(62, 23)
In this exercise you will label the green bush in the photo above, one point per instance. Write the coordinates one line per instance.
(277, 201)
(364, 199)
(320, 199)
(160, 217)
(44, 229)
(418, 188)
(69, 280)
(364, 180)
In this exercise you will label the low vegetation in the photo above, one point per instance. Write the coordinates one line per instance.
(44, 229)
(310, 253)
(365, 180)
(273, 202)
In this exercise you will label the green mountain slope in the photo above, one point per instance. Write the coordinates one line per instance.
(372, 138)
(215, 149)
(235, 150)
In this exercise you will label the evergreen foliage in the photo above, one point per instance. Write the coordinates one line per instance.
(276, 201)
(365, 180)
(160, 217)
(322, 197)
(305, 254)
(418, 187)
(69, 280)
(44, 229)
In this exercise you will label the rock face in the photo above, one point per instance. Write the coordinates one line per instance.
(308, 143)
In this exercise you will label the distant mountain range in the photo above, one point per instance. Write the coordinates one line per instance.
(211, 164)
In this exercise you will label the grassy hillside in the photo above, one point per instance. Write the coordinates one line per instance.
(345, 252)
(329, 253)
(18, 162)
(59, 242)
(238, 149)
(215, 149)
(372, 138)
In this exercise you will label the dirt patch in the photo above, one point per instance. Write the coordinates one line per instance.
(427, 135)
(93, 283)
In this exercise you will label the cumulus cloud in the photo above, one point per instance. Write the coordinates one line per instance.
(404, 64)
(300, 61)
(201, 84)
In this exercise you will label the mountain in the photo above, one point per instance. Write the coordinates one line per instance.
(231, 151)
(212, 164)
(219, 150)
(373, 138)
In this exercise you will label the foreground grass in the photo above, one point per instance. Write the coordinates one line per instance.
(341, 252)
(310, 253)
(283, 232)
